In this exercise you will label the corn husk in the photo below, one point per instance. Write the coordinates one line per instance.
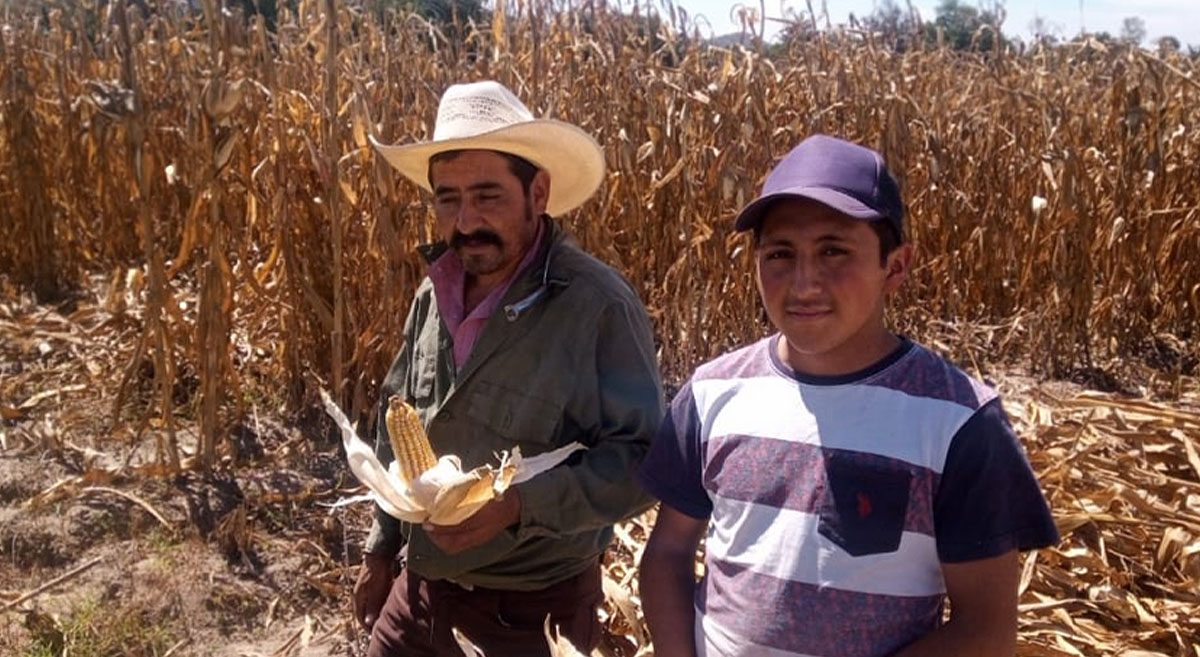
(443, 494)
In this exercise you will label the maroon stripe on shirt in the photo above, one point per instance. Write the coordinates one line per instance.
(810, 619)
(921, 373)
(749, 362)
(788, 475)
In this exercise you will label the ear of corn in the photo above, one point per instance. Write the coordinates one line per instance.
(410, 443)
(419, 486)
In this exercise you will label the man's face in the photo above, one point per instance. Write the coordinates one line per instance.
(823, 286)
(482, 211)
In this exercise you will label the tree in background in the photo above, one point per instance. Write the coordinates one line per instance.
(1133, 30)
(960, 24)
(1168, 44)
(440, 11)
(1044, 32)
(896, 27)
(268, 8)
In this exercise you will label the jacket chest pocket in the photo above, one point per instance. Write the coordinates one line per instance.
(514, 416)
(864, 505)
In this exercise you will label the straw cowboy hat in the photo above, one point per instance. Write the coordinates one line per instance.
(487, 116)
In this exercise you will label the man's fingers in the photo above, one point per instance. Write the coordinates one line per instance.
(468, 525)
(472, 532)
(370, 593)
(365, 617)
(449, 534)
(481, 520)
(447, 543)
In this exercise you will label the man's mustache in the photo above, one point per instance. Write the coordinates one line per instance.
(480, 237)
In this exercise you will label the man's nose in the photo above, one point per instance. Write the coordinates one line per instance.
(467, 219)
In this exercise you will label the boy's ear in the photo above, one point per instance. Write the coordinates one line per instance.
(898, 264)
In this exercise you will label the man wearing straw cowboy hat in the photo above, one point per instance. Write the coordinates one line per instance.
(517, 338)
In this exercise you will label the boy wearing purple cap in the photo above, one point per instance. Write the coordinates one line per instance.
(849, 480)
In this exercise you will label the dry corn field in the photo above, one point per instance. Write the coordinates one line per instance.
(195, 235)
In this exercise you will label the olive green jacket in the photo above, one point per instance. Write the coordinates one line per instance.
(568, 356)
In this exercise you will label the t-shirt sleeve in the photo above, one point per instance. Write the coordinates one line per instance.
(988, 501)
(673, 469)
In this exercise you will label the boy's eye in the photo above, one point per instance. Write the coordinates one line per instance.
(834, 251)
(777, 255)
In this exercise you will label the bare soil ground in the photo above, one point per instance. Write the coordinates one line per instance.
(240, 561)
(216, 564)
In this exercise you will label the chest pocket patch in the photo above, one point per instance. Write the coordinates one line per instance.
(864, 505)
(515, 416)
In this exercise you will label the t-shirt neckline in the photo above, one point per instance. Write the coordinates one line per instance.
(786, 371)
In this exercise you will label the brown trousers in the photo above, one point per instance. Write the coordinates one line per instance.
(417, 617)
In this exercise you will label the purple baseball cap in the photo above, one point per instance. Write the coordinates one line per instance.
(849, 178)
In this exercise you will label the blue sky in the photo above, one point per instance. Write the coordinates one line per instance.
(1180, 18)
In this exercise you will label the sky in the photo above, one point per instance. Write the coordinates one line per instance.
(1179, 18)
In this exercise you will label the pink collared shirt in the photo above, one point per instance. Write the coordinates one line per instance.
(450, 288)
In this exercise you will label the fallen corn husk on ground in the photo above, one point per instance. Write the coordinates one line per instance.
(417, 488)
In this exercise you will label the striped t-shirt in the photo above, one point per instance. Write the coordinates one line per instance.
(833, 501)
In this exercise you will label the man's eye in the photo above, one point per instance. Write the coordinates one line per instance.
(778, 255)
(833, 251)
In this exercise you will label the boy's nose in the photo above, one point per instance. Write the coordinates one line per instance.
(806, 279)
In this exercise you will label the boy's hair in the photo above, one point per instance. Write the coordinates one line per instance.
(523, 169)
(889, 240)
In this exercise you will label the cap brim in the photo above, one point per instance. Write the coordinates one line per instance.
(572, 157)
(753, 214)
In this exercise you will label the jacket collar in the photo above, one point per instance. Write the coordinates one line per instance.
(537, 284)
(432, 251)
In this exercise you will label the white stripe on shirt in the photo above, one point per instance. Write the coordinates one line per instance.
(785, 544)
(831, 416)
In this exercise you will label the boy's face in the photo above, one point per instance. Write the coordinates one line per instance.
(824, 287)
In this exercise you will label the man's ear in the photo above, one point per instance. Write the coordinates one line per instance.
(898, 264)
(539, 192)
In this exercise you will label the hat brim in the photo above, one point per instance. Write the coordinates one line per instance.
(572, 158)
(752, 215)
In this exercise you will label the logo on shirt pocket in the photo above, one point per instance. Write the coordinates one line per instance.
(864, 505)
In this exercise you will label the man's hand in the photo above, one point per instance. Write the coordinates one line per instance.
(372, 588)
(483, 526)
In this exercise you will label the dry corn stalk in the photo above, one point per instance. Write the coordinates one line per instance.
(418, 486)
